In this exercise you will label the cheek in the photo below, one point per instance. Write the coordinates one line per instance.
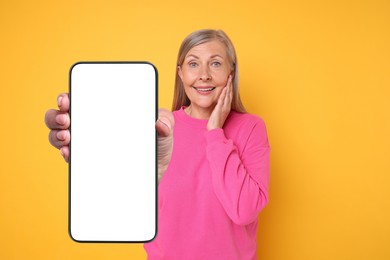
(188, 78)
(218, 91)
(220, 77)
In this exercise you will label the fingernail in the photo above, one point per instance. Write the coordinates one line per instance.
(164, 123)
(60, 135)
(61, 119)
(61, 152)
(59, 101)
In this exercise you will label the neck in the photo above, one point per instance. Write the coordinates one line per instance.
(198, 112)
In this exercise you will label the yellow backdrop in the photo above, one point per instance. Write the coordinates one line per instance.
(317, 72)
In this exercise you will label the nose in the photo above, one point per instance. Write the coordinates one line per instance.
(205, 74)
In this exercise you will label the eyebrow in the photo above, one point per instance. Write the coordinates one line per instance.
(212, 56)
(216, 55)
(192, 55)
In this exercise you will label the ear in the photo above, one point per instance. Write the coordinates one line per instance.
(180, 73)
(232, 72)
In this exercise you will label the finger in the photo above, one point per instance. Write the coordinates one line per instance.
(229, 81)
(55, 119)
(162, 112)
(65, 153)
(231, 92)
(63, 102)
(59, 138)
(230, 100)
(226, 90)
(165, 122)
(222, 97)
(229, 89)
(163, 127)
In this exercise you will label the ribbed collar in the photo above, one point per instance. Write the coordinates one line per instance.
(195, 122)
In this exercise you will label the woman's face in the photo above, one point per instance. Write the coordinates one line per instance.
(204, 74)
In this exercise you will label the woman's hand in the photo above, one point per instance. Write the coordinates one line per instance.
(58, 122)
(164, 127)
(223, 107)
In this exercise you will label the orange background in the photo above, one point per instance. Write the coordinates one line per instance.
(317, 72)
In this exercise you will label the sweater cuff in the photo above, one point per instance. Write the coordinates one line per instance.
(215, 135)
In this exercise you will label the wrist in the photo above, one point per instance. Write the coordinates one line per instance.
(215, 135)
(211, 126)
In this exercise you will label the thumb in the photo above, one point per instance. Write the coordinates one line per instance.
(165, 122)
(163, 127)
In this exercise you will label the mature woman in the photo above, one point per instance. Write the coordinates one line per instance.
(213, 157)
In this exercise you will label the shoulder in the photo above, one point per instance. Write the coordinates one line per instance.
(246, 120)
(248, 128)
(178, 114)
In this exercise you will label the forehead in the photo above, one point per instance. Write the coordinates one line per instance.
(207, 49)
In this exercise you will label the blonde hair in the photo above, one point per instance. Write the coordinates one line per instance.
(196, 38)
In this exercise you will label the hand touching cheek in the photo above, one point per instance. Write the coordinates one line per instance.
(223, 107)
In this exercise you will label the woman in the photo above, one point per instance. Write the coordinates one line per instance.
(213, 157)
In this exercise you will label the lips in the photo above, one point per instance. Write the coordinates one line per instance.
(204, 89)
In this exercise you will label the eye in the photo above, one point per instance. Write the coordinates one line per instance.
(192, 64)
(216, 64)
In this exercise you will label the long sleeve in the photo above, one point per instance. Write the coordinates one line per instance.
(240, 178)
(213, 189)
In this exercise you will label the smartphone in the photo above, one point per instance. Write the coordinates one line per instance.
(113, 157)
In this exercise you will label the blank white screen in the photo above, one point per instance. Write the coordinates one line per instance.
(113, 152)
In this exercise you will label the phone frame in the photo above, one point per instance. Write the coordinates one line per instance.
(70, 145)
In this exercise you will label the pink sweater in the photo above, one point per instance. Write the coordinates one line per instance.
(213, 190)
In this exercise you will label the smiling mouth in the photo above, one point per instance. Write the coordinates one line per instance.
(204, 90)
